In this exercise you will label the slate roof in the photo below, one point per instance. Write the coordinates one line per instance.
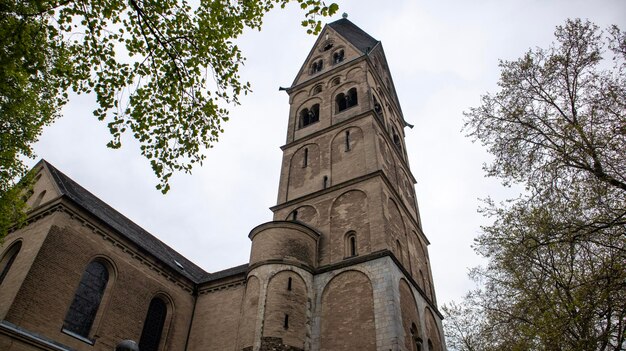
(226, 273)
(355, 35)
(125, 226)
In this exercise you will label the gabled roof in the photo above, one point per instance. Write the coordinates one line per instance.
(355, 35)
(124, 226)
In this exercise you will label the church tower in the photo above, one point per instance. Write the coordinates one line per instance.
(344, 263)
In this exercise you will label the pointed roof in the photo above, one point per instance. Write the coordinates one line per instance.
(127, 228)
(355, 35)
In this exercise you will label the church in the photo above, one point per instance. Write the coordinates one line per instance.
(343, 265)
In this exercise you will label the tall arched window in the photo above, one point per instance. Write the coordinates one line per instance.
(84, 307)
(8, 259)
(153, 326)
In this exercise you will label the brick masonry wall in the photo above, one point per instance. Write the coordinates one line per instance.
(217, 318)
(48, 290)
(347, 313)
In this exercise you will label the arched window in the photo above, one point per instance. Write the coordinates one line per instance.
(396, 140)
(309, 116)
(38, 199)
(8, 259)
(416, 340)
(338, 56)
(317, 89)
(153, 326)
(351, 244)
(378, 109)
(317, 66)
(345, 101)
(84, 307)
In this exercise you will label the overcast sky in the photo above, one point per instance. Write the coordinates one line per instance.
(442, 55)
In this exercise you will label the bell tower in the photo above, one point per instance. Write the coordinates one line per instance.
(344, 263)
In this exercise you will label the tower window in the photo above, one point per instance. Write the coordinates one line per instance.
(87, 298)
(289, 284)
(351, 248)
(153, 326)
(345, 101)
(305, 162)
(309, 116)
(378, 109)
(347, 140)
(317, 89)
(336, 81)
(338, 56)
(396, 140)
(417, 341)
(317, 66)
(286, 322)
(325, 182)
(295, 215)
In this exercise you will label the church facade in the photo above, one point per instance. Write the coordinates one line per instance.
(343, 265)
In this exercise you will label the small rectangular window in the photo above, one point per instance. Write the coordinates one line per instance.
(286, 323)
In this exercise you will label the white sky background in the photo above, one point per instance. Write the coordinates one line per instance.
(442, 54)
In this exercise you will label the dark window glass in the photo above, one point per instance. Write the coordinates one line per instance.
(347, 140)
(289, 283)
(352, 245)
(87, 299)
(8, 259)
(153, 326)
(285, 324)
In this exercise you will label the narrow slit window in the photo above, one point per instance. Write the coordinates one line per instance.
(286, 323)
(305, 162)
(325, 182)
(352, 245)
(289, 284)
(295, 215)
(347, 140)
